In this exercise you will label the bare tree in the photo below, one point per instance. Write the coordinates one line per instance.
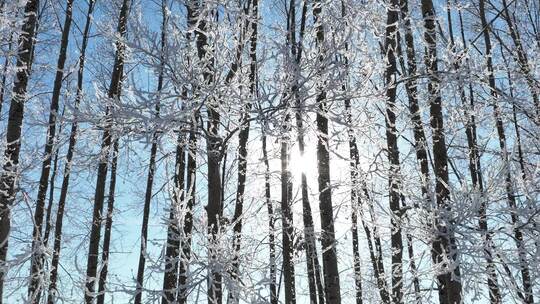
(8, 179)
(53, 292)
(511, 198)
(328, 238)
(106, 145)
(36, 268)
(444, 245)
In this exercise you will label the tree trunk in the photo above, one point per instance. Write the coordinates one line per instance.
(8, 179)
(114, 93)
(443, 247)
(475, 171)
(328, 238)
(214, 150)
(52, 182)
(316, 289)
(243, 137)
(36, 268)
(520, 56)
(518, 234)
(271, 228)
(108, 227)
(286, 182)
(151, 165)
(67, 167)
(185, 243)
(394, 179)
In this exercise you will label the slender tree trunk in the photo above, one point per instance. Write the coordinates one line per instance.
(359, 192)
(105, 252)
(114, 93)
(243, 137)
(355, 199)
(36, 271)
(51, 298)
(520, 56)
(518, 234)
(286, 182)
(443, 247)
(328, 238)
(420, 142)
(394, 180)
(475, 171)
(52, 182)
(271, 226)
(214, 150)
(185, 243)
(151, 165)
(316, 289)
(353, 155)
(8, 179)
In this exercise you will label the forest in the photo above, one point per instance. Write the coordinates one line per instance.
(270, 151)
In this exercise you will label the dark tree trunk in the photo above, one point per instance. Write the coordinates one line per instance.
(52, 183)
(106, 145)
(316, 289)
(271, 226)
(355, 200)
(36, 268)
(512, 204)
(394, 180)
(243, 137)
(151, 165)
(185, 244)
(51, 298)
(286, 182)
(475, 171)
(328, 238)
(13, 132)
(108, 227)
(443, 247)
(353, 155)
(214, 150)
(520, 56)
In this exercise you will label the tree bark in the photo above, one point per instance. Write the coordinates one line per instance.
(394, 179)
(114, 93)
(151, 165)
(105, 252)
(185, 243)
(243, 136)
(271, 226)
(8, 179)
(328, 238)
(36, 268)
(286, 182)
(512, 204)
(51, 298)
(475, 170)
(443, 247)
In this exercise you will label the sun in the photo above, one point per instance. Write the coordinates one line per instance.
(306, 163)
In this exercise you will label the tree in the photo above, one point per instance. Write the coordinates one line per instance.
(53, 292)
(36, 268)
(152, 163)
(443, 247)
(328, 239)
(8, 179)
(511, 198)
(106, 145)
